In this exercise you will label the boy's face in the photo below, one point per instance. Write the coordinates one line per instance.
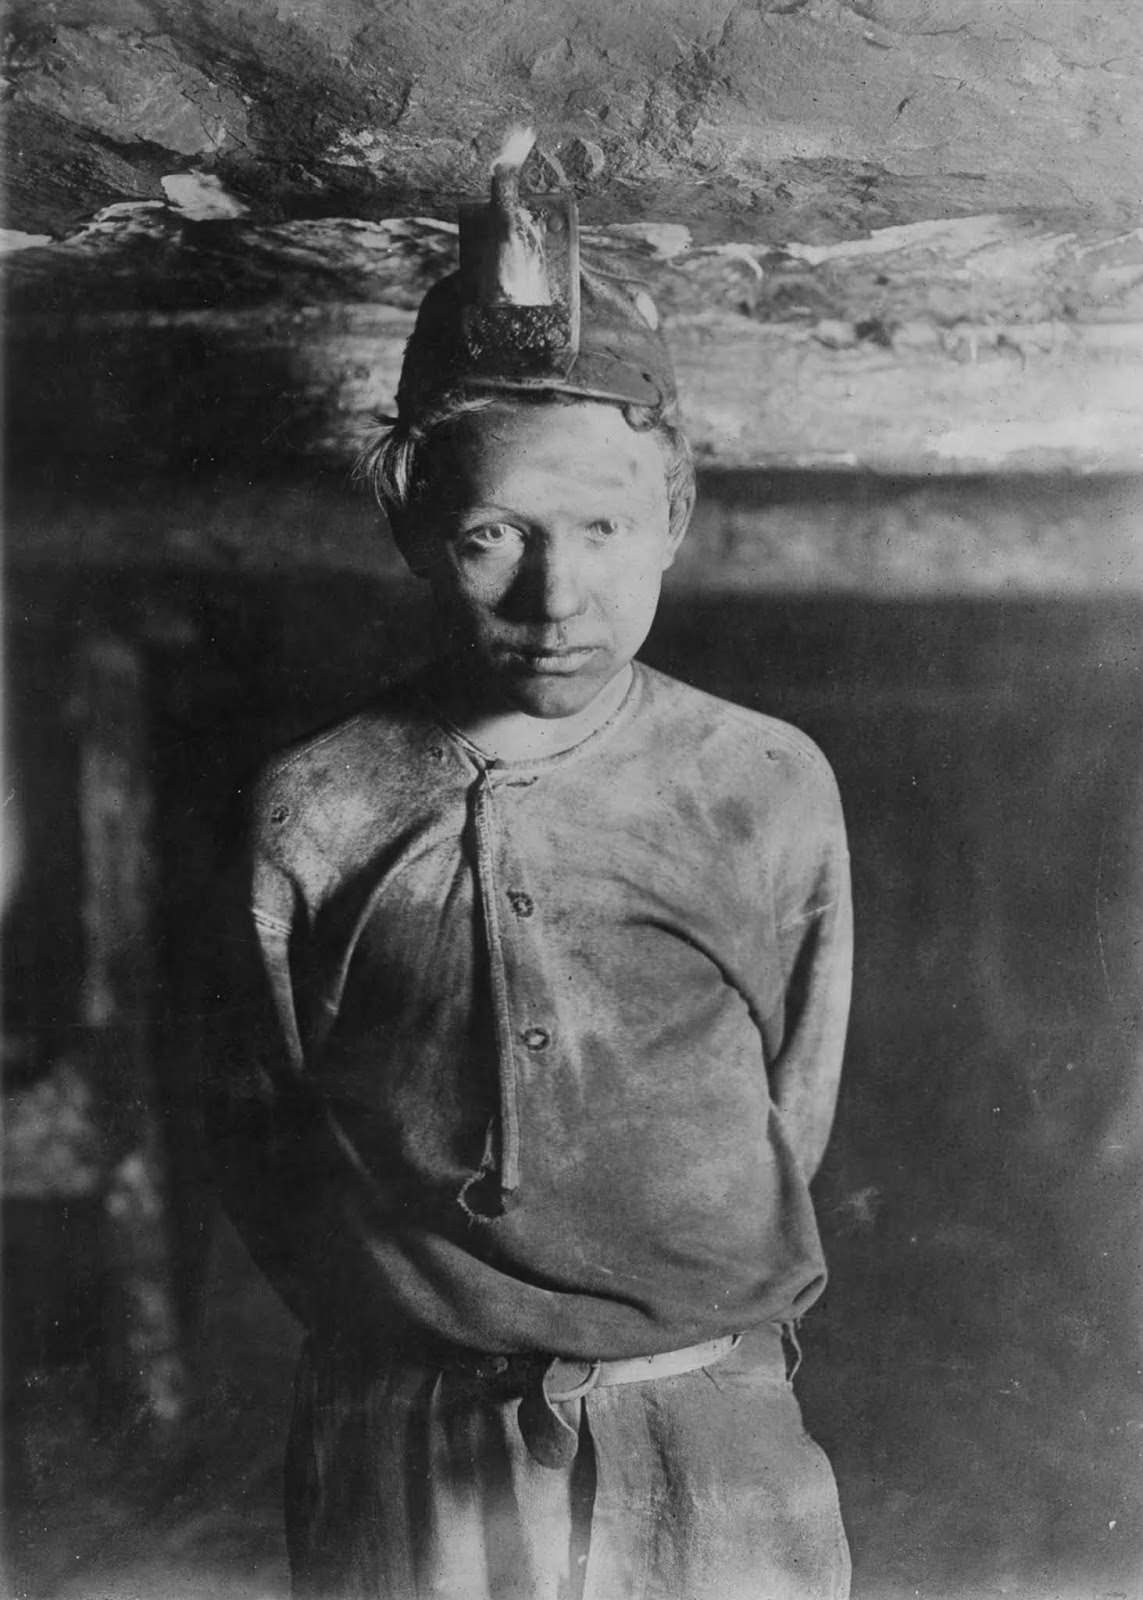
(545, 535)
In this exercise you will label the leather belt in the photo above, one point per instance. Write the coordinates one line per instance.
(552, 1436)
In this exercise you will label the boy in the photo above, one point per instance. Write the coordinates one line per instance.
(543, 979)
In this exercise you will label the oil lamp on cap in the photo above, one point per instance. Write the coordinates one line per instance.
(526, 314)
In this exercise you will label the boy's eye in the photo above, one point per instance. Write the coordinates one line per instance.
(492, 538)
(603, 527)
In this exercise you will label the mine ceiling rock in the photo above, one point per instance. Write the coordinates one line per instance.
(808, 119)
(897, 234)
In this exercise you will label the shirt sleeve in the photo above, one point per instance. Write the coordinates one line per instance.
(254, 1091)
(327, 1234)
(815, 933)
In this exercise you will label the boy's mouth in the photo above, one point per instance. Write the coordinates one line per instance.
(559, 660)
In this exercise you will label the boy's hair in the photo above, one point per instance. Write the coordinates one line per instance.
(394, 464)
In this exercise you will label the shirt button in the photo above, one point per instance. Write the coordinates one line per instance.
(536, 1038)
(522, 904)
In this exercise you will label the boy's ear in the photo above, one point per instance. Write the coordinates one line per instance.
(681, 512)
(414, 541)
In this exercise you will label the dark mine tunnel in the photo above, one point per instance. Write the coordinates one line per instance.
(915, 407)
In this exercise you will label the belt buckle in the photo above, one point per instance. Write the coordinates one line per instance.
(577, 1390)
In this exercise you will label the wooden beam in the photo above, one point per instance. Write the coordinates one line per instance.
(117, 1007)
(977, 345)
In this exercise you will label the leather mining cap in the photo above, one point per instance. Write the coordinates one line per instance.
(526, 315)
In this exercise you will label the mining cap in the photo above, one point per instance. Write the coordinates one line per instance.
(526, 313)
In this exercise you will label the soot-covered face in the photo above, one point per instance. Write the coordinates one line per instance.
(544, 534)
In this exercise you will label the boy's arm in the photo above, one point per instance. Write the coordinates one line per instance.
(251, 1113)
(326, 1233)
(816, 936)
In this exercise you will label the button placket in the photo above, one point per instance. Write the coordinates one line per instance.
(534, 1037)
(523, 1005)
(484, 816)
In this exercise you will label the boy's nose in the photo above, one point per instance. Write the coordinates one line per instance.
(553, 583)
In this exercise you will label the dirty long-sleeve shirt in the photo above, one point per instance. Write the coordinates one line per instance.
(538, 1056)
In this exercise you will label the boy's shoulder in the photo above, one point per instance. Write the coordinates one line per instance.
(395, 713)
(387, 757)
(347, 766)
(704, 727)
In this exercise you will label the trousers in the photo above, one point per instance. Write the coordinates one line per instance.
(411, 1481)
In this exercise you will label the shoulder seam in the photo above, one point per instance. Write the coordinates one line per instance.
(282, 763)
(761, 723)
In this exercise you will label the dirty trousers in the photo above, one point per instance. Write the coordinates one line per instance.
(409, 1482)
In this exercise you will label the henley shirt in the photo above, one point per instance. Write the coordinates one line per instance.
(513, 1045)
